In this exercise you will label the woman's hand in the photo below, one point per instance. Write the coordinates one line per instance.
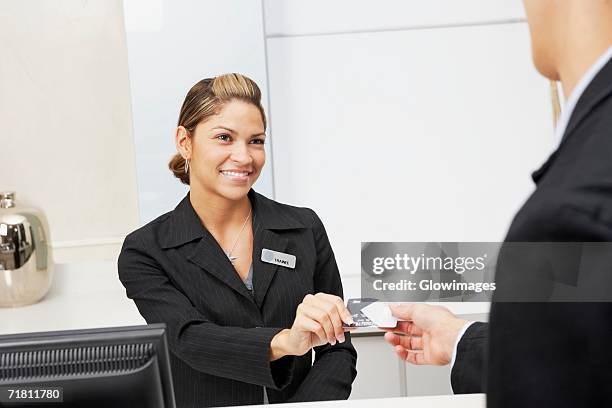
(318, 321)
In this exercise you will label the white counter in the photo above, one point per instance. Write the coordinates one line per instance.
(444, 401)
(83, 295)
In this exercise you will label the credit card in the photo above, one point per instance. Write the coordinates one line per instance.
(380, 315)
(368, 312)
(354, 306)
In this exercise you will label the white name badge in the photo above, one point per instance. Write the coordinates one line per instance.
(278, 258)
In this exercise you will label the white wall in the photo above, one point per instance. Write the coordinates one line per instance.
(171, 46)
(404, 120)
(411, 133)
(65, 121)
(298, 17)
(66, 98)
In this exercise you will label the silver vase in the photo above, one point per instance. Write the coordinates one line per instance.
(25, 256)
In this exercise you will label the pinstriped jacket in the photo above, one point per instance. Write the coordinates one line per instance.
(219, 333)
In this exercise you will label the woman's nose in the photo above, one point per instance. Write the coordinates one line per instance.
(240, 154)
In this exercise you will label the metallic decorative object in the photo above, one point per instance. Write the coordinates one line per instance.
(25, 256)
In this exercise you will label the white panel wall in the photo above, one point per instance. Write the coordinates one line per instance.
(65, 121)
(404, 120)
(298, 17)
(413, 135)
(171, 46)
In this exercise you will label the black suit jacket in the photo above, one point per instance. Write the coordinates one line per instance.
(219, 334)
(554, 354)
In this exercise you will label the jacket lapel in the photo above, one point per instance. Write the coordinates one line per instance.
(209, 256)
(183, 226)
(184, 230)
(270, 225)
(263, 272)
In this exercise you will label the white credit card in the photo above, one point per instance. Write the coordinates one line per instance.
(380, 314)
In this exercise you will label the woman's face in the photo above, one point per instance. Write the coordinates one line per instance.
(227, 151)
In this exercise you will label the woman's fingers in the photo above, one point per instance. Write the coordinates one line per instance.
(330, 305)
(344, 313)
(333, 308)
(321, 317)
(329, 312)
(306, 324)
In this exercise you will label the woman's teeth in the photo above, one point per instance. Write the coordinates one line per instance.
(235, 173)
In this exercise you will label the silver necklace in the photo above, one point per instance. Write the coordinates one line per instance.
(229, 254)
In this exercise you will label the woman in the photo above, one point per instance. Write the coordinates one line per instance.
(246, 286)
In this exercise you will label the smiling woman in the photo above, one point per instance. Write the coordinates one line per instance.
(247, 286)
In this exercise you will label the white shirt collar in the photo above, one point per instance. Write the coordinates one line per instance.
(584, 82)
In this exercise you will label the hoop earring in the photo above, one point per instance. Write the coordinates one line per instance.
(186, 166)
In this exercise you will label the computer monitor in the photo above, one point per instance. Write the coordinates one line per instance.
(110, 367)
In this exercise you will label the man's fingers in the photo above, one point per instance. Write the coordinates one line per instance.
(419, 357)
(401, 352)
(407, 342)
(400, 327)
(415, 357)
(392, 339)
(416, 330)
(411, 358)
(397, 340)
(416, 343)
(404, 311)
(406, 328)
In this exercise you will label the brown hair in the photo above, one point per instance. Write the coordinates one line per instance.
(204, 99)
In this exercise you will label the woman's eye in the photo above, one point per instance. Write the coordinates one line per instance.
(224, 137)
(258, 141)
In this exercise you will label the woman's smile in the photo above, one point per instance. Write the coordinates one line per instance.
(236, 176)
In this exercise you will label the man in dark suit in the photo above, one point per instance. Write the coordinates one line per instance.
(544, 354)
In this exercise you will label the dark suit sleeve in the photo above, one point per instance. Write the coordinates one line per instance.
(547, 340)
(333, 371)
(232, 352)
(468, 373)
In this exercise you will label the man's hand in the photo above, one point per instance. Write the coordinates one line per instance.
(428, 337)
